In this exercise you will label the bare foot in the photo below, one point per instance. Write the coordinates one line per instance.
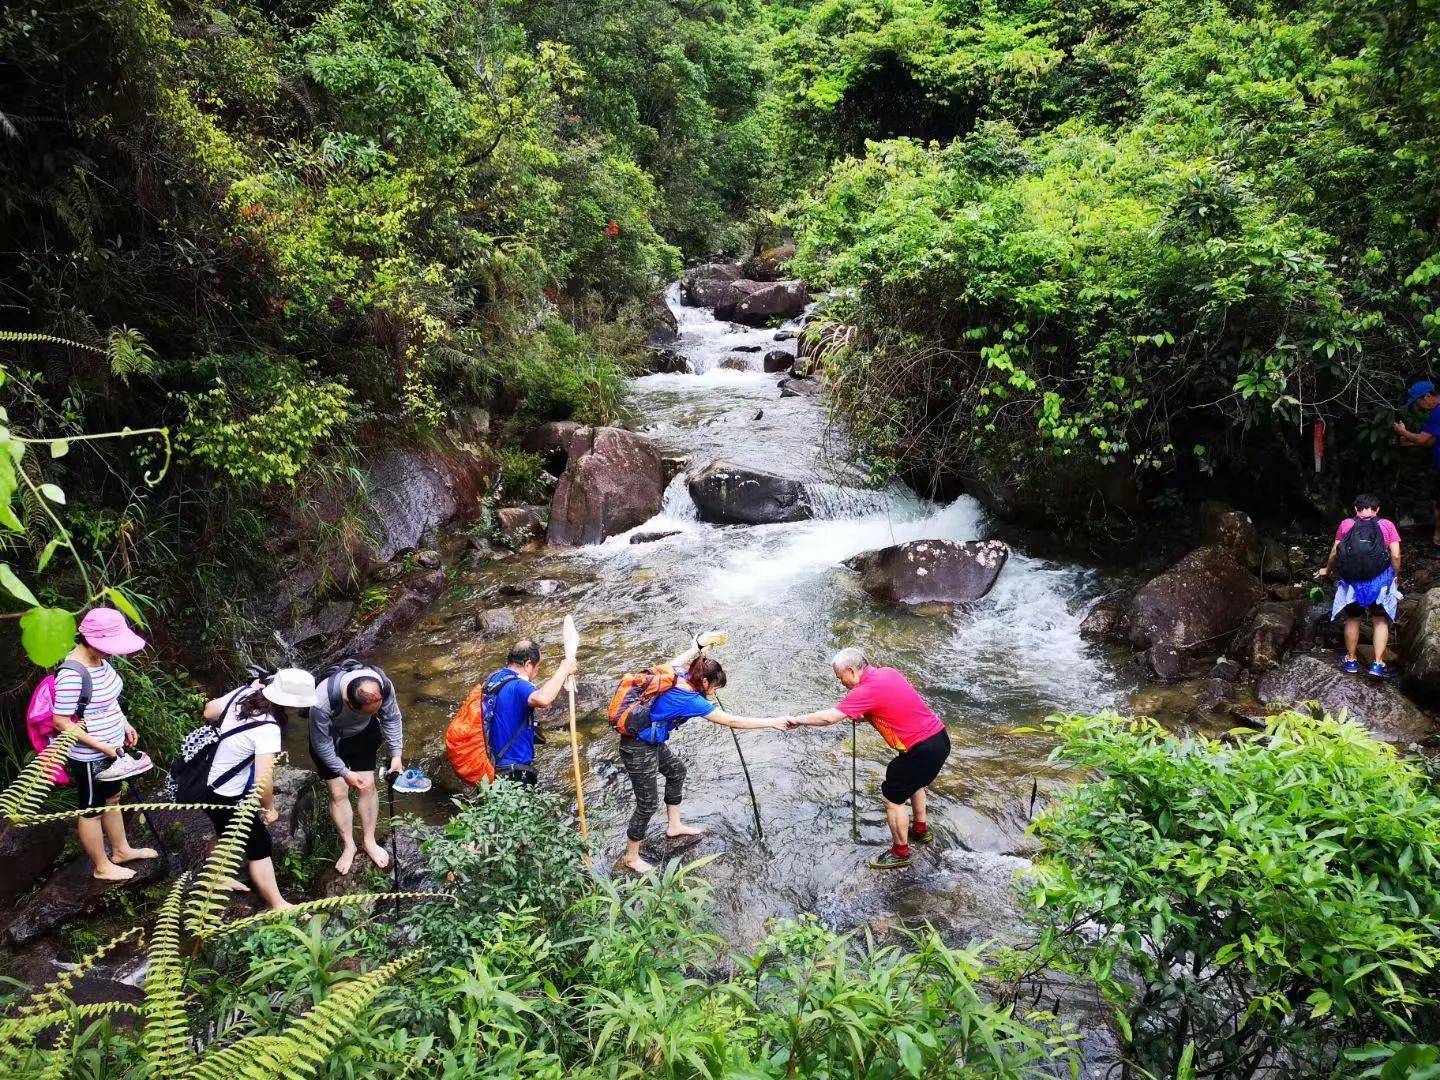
(673, 831)
(378, 855)
(639, 866)
(237, 886)
(283, 905)
(125, 855)
(113, 873)
(345, 861)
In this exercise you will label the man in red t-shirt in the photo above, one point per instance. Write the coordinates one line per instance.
(885, 698)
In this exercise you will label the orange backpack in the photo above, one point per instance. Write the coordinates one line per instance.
(635, 694)
(465, 740)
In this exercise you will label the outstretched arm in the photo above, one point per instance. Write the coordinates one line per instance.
(1413, 438)
(823, 718)
(681, 661)
(721, 717)
(544, 697)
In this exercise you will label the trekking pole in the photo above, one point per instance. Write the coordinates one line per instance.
(572, 646)
(134, 788)
(390, 777)
(754, 803)
(854, 784)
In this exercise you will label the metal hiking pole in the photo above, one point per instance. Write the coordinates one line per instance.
(134, 788)
(754, 803)
(854, 785)
(390, 777)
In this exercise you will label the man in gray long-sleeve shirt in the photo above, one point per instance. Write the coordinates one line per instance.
(343, 745)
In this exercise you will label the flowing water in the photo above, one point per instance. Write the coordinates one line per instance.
(787, 602)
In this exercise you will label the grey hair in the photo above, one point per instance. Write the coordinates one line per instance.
(850, 657)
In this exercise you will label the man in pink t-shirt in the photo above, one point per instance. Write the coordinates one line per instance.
(886, 699)
(1365, 563)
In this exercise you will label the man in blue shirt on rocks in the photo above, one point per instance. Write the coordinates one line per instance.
(511, 698)
(1424, 394)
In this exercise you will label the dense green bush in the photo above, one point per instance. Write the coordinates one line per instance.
(1164, 239)
(1266, 901)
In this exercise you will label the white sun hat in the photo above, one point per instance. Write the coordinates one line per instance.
(291, 687)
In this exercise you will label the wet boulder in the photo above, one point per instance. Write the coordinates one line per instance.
(1418, 634)
(651, 537)
(520, 524)
(799, 387)
(414, 600)
(704, 286)
(73, 890)
(729, 294)
(1192, 608)
(1272, 625)
(736, 363)
(665, 362)
(780, 300)
(769, 265)
(661, 326)
(777, 360)
(1105, 621)
(728, 494)
(613, 488)
(27, 852)
(556, 442)
(1372, 703)
(1232, 531)
(931, 571)
(495, 623)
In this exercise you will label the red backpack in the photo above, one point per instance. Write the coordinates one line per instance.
(630, 704)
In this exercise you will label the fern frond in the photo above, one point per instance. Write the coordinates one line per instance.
(311, 1040)
(20, 802)
(44, 1005)
(167, 1035)
(25, 337)
(329, 903)
(61, 1057)
(211, 895)
(119, 808)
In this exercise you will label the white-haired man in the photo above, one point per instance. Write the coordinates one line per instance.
(886, 699)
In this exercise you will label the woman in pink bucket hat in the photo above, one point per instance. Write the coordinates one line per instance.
(97, 761)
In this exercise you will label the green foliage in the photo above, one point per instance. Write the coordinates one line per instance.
(268, 435)
(1126, 230)
(1270, 898)
(161, 703)
(50, 1034)
(507, 846)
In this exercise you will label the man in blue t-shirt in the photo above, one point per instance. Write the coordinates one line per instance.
(510, 731)
(1424, 394)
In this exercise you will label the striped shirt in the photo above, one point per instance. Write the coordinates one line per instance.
(103, 718)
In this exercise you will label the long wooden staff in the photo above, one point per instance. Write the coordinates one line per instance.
(572, 646)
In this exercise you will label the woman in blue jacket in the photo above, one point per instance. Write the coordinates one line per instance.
(646, 757)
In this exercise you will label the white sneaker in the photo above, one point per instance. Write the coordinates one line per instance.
(125, 766)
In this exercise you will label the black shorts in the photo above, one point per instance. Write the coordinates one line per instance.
(520, 774)
(915, 768)
(89, 791)
(357, 751)
(257, 839)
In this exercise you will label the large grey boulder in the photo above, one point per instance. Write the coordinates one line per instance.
(1231, 530)
(769, 265)
(615, 486)
(1418, 635)
(929, 571)
(728, 494)
(1191, 609)
(27, 852)
(1272, 625)
(557, 441)
(1372, 703)
(759, 306)
(704, 286)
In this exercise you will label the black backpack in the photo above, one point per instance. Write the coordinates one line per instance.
(189, 780)
(1362, 554)
(336, 696)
